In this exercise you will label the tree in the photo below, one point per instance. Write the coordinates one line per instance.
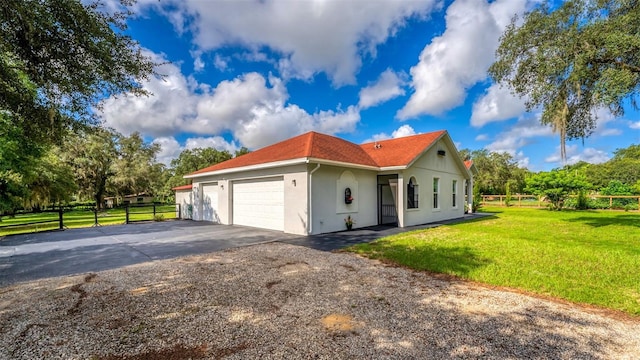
(191, 160)
(495, 170)
(243, 150)
(52, 181)
(17, 157)
(133, 163)
(556, 185)
(59, 58)
(91, 155)
(573, 60)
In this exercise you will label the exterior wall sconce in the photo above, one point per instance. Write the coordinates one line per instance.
(293, 182)
(221, 186)
(441, 153)
(348, 199)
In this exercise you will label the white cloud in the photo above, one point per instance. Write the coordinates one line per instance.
(635, 125)
(519, 135)
(497, 104)
(169, 149)
(460, 57)
(253, 109)
(317, 36)
(198, 64)
(402, 131)
(482, 137)
(386, 87)
(221, 63)
(170, 107)
(574, 155)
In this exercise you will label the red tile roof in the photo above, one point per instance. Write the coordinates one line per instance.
(401, 151)
(394, 152)
(183, 187)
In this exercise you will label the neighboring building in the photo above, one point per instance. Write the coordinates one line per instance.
(143, 198)
(184, 198)
(310, 183)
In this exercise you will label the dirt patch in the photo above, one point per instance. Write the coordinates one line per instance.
(339, 323)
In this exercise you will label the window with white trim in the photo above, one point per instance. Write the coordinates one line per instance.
(454, 189)
(436, 191)
(412, 194)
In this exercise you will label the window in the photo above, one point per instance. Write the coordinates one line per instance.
(454, 189)
(436, 190)
(412, 194)
(140, 199)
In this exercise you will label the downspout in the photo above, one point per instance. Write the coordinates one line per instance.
(310, 197)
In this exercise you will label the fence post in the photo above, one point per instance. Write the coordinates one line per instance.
(154, 211)
(610, 202)
(60, 211)
(126, 214)
(95, 216)
(180, 211)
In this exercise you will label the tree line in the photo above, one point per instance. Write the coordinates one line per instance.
(500, 174)
(95, 163)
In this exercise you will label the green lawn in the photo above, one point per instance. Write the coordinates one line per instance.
(588, 257)
(80, 218)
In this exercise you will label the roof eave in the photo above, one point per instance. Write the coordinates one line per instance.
(342, 164)
(249, 168)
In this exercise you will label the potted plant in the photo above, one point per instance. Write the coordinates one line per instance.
(348, 222)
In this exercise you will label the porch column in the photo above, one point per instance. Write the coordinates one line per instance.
(470, 196)
(400, 200)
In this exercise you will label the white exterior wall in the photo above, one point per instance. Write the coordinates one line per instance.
(185, 199)
(295, 195)
(327, 197)
(425, 169)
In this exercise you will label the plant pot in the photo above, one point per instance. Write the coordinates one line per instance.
(349, 226)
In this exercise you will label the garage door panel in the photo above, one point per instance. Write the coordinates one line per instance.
(210, 203)
(259, 204)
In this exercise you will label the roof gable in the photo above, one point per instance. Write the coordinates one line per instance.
(401, 151)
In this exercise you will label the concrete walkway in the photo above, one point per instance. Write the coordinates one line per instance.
(342, 239)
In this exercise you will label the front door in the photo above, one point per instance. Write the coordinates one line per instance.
(386, 205)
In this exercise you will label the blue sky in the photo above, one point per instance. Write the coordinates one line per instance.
(251, 73)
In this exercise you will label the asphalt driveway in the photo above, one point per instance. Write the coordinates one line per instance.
(41, 255)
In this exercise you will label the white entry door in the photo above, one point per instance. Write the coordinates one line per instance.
(210, 202)
(259, 203)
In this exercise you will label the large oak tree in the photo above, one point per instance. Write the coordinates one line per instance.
(571, 60)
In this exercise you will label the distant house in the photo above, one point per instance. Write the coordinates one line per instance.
(310, 183)
(143, 198)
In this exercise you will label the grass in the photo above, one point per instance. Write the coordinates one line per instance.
(80, 218)
(590, 257)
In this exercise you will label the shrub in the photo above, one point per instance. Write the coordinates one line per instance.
(158, 217)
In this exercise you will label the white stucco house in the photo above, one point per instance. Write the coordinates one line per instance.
(310, 183)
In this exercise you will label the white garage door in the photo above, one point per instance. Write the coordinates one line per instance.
(259, 203)
(210, 202)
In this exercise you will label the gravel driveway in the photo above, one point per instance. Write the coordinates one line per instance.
(286, 302)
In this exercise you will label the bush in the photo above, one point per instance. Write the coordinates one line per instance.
(158, 217)
(582, 203)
